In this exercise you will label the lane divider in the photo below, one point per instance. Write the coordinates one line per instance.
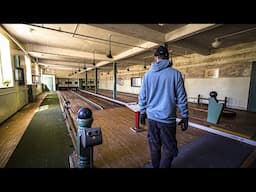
(89, 101)
(103, 97)
(239, 137)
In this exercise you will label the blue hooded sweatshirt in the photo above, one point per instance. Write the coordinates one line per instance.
(161, 91)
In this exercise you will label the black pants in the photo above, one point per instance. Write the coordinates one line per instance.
(162, 143)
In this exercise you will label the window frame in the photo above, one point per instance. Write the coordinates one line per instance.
(136, 81)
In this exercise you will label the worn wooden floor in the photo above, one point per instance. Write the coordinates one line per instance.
(125, 97)
(76, 102)
(121, 148)
(243, 123)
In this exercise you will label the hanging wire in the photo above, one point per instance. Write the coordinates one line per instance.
(93, 61)
(84, 65)
(145, 64)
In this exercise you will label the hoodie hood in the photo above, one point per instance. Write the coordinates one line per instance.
(159, 65)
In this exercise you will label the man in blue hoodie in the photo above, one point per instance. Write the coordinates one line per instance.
(161, 92)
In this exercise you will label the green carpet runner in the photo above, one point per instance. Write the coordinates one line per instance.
(45, 143)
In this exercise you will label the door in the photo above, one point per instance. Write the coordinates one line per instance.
(252, 91)
(49, 83)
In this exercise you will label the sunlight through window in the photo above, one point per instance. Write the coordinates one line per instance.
(28, 70)
(6, 75)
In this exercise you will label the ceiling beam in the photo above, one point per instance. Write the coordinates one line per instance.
(59, 58)
(63, 52)
(129, 53)
(194, 48)
(188, 31)
(131, 61)
(134, 30)
(65, 63)
(56, 66)
(14, 39)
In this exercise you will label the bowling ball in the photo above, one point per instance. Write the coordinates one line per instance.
(84, 113)
(213, 94)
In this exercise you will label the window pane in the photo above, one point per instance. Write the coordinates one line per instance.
(136, 81)
(6, 74)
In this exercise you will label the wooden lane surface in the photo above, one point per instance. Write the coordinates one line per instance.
(123, 148)
(102, 102)
(76, 103)
(243, 123)
(125, 97)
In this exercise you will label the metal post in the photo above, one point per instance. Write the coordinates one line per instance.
(86, 80)
(114, 80)
(85, 154)
(80, 83)
(225, 102)
(96, 80)
(137, 120)
(136, 128)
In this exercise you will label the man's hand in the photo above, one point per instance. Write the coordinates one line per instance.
(143, 118)
(183, 124)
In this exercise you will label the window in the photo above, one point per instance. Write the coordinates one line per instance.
(212, 73)
(136, 81)
(6, 74)
(19, 76)
(16, 61)
(28, 70)
(35, 79)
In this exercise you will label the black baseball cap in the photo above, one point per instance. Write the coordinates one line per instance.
(162, 51)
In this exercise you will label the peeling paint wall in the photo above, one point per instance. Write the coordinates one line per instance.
(234, 66)
(232, 63)
(12, 98)
(123, 78)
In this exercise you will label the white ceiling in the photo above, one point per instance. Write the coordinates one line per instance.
(73, 46)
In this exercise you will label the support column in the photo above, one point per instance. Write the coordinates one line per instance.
(96, 80)
(86, 87)
(80, 82)
(114, 79)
